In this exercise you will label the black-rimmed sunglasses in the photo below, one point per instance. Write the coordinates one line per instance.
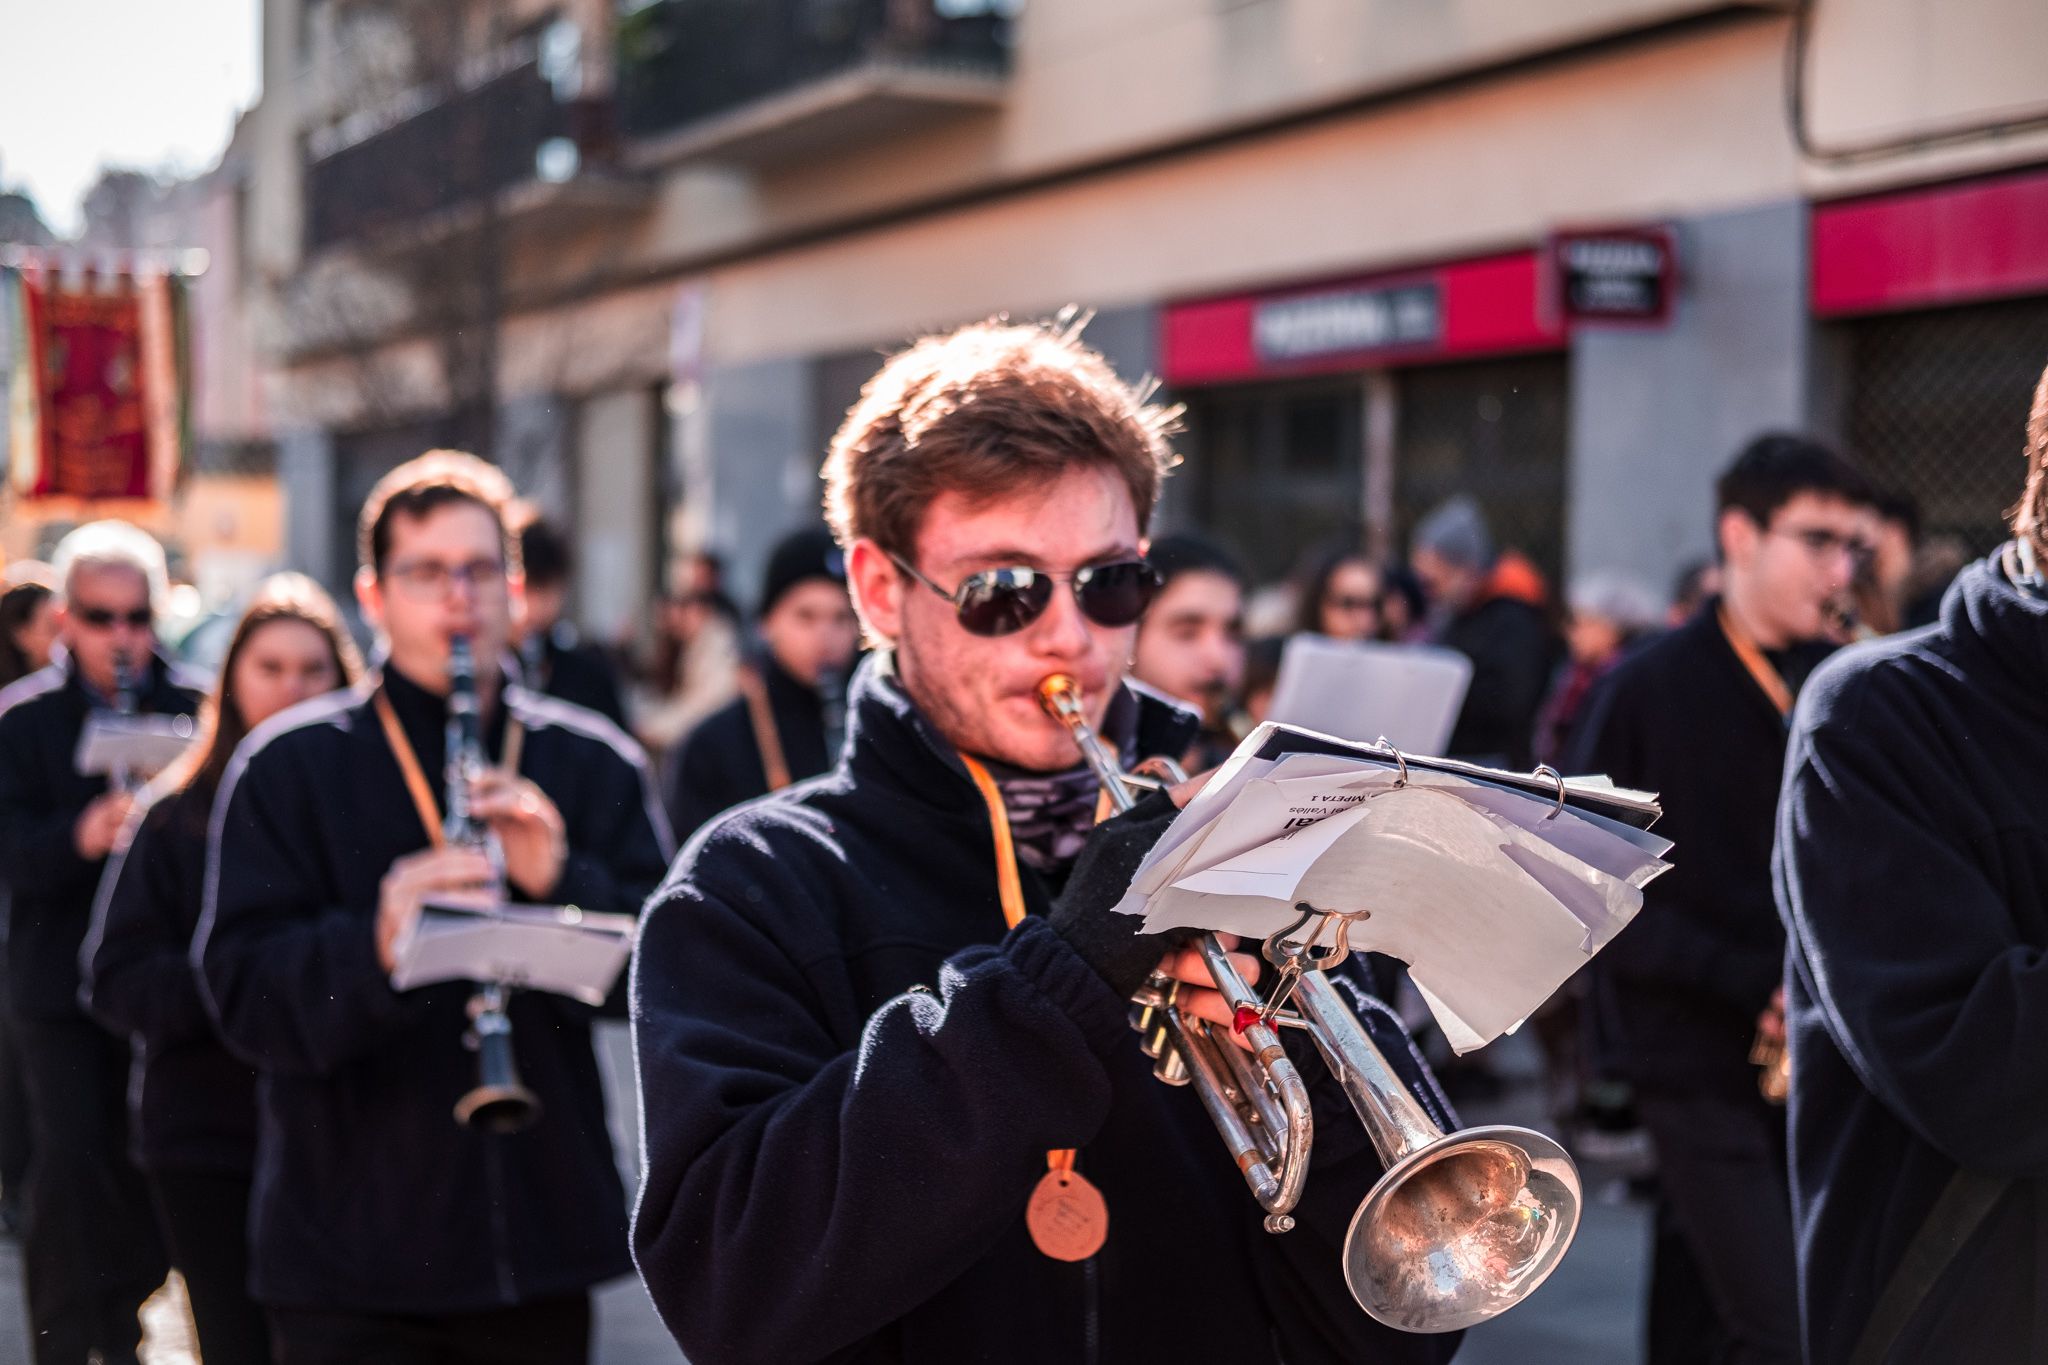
(1004, 601)
(103, 618)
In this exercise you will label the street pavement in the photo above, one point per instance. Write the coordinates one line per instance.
(1589, 1313)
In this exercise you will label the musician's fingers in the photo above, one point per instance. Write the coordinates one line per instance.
(1186, 964)
(1214, 1010)
(444, 868)
(1184, 792)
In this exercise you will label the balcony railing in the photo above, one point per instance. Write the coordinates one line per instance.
(684, 62)
(447, 156)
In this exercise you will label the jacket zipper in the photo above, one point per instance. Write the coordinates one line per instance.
(1091, 1311)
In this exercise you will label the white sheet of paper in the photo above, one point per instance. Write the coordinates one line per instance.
(139, 745)
(559, 949)
(1363, 690)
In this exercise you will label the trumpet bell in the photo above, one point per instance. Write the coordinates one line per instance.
(1462, 1229)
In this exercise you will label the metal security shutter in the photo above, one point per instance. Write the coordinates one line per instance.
(1278, 468)
(1496, 430)
(1937, 408)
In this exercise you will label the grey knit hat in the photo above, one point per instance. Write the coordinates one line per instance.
(1457, 531)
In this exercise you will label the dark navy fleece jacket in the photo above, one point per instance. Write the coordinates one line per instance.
(369, 1197)
(1912, 876)
(851, 1074)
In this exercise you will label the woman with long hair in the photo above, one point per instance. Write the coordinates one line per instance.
(192, 1108)
(28, 627)
(1340, 592)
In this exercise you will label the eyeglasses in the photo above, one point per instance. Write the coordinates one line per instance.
(1825, 544)
(105, 618)
(1349, 603)
(1004, 601)
(429, 580)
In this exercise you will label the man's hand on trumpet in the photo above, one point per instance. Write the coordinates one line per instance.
(1084, 915)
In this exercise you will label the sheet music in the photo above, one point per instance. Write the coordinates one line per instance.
(1360, 689)
(555, 948)
(141, 746)
(1492, 894)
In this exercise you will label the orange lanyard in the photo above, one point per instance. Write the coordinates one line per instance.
(1010, 890)
(416, 779)
(767, 739)
(1760, 669)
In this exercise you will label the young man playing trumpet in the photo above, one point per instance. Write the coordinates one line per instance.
(879, 1015)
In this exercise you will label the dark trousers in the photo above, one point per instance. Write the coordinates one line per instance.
(1721, 1172)
(205, 1221)
(14, 1139)
(544, 1332)
(91, 1254)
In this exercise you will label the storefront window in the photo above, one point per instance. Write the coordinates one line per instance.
(1937, 403)
(1278, 468)
(1496, 430)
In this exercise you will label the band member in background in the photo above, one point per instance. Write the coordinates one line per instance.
(28, 629)
(1699, 716)
(1340, 593)
(1912, 852)
(92, 1254)
(1191, 641)
(1488, 606)
(192, 1104)
(789, 719)
(853, 1077)
(381, 1228)
(551, 658)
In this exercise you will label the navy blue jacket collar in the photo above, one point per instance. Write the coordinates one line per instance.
(1993, 619)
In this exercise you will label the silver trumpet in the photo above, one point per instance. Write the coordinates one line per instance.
(1461, 1227)
(499, 1102)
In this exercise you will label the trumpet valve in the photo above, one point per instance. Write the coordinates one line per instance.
(1171, 1068)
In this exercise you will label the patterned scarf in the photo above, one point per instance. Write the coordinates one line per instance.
(1051, 814)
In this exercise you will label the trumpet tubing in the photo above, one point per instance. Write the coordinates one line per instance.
(1461, 1227)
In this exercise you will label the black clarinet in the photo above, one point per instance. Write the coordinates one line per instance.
(126, 703)
(499, 1102)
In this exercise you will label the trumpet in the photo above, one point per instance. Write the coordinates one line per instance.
(499, 1102)
(1461, 1226)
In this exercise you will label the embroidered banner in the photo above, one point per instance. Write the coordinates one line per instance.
(99, 387)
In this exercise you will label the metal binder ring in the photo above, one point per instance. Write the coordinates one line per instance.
(1383, 743)
(1558, 778)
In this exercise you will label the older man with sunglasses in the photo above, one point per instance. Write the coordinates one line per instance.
(91, 1254)
(880, 1017)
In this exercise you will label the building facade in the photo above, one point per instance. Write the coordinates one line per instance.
(1566, 257)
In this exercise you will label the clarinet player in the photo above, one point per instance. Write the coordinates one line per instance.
(91, 1255)
(383, 1229)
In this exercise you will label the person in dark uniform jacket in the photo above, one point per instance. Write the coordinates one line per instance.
(1912, 879)
(91, 1254)
(1485, 605)
(874, 1012)
(1699, 716)
(192, 1105)
(787, 722)
(551, 657)
(381, 1228)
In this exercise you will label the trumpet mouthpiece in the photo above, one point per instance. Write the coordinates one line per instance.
(1060, 695)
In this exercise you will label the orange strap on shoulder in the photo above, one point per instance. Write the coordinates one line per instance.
(1009, 886)
(1009, 889)
(767, 739)
(416, 780)
(1759, 667)
(409, 765)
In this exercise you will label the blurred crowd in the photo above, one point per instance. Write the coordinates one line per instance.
(733, 702)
